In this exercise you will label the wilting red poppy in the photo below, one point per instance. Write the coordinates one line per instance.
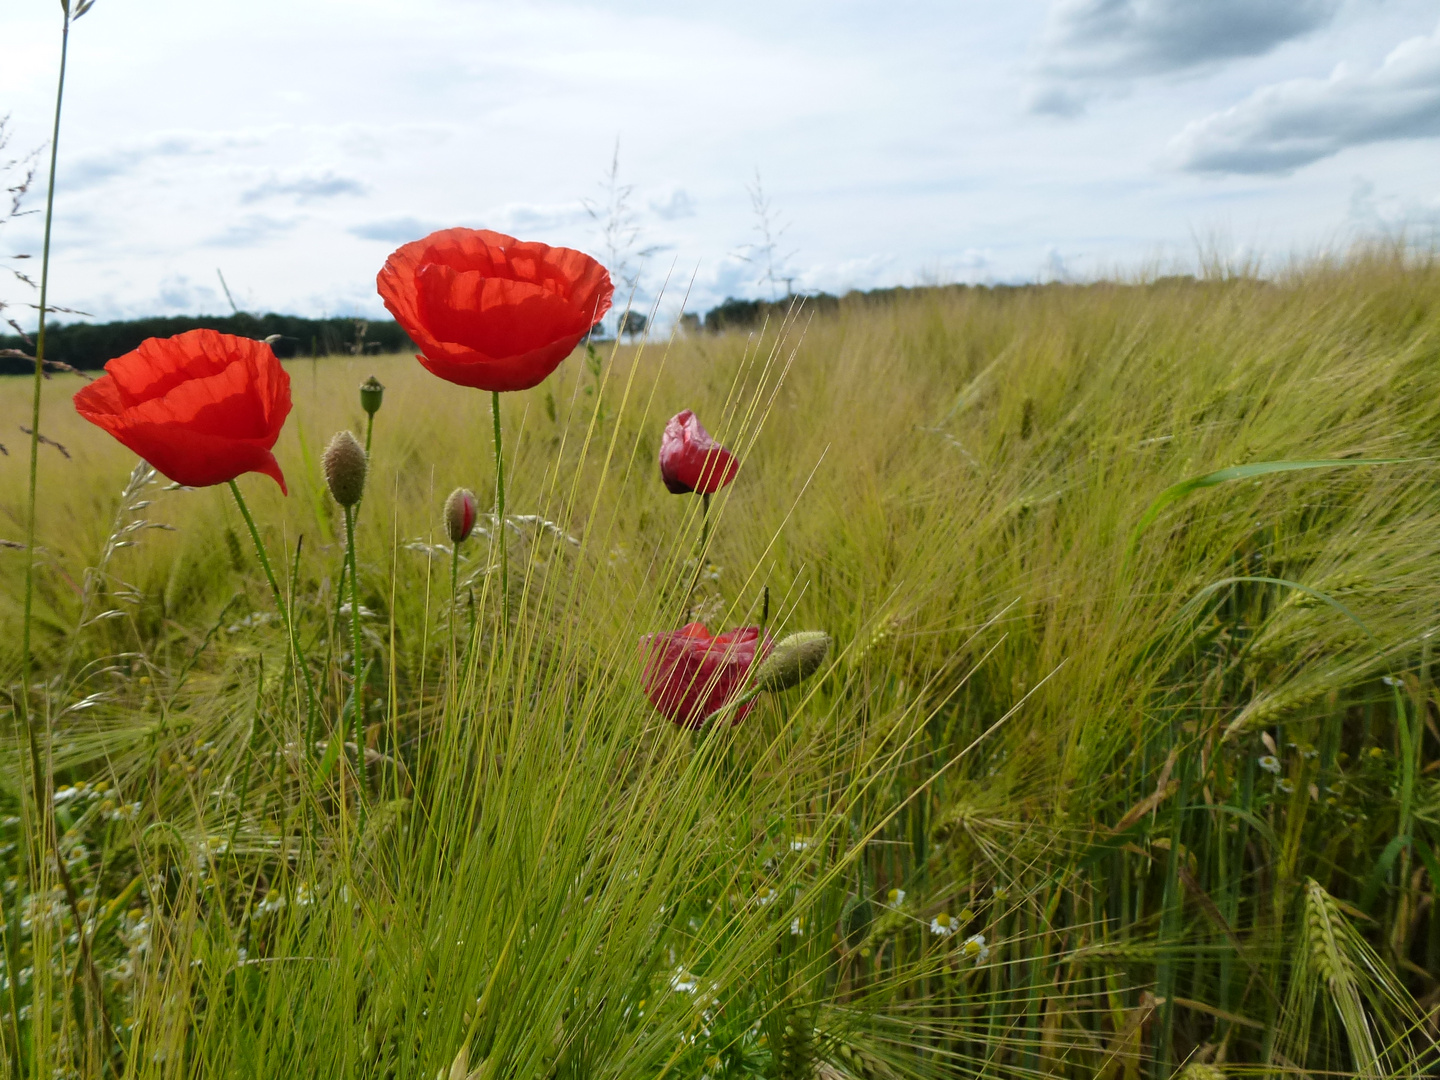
(689, 674)
(202, 407)
(690, 460)
(490, 311)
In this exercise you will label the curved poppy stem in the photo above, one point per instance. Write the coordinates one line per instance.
(500, 511)
(357, 690)
(296, 654)
(700, 559)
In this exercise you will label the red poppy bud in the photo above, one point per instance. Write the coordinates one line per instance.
(689, 674)
(202, 407)
(690, 460)
(460, 510)
(490, 311)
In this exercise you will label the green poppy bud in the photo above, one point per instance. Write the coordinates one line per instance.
(372, 394)
(793, 660)
(344, 463)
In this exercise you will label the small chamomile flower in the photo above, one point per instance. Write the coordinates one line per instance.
(895, 897)
(943, 925)
(975, 948)
(767, 896)
(1270, 763)
(800, 843)
(796, 927)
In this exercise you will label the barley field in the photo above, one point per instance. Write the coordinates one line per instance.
(1094, 783)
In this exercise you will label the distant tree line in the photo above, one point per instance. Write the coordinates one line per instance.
(88, 346)
(735, 314)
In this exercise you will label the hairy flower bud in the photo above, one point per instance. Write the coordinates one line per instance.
(345, 464)
(460, 514)
(794, 660)
(372, 394)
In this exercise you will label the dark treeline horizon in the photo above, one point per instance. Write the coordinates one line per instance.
(87, 346)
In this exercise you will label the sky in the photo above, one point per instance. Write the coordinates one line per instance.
(703, 151)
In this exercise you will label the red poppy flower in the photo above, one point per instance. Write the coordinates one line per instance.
(689, 674)
(202, 407)
(490, 311)
(690, 460)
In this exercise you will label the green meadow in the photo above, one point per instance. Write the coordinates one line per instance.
(1106, 776)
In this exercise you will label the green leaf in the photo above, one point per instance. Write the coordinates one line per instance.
(1260, 579)
(332, 755)
(1381, 870)
(1427, 857)
(1176, 492)
(1266, 833)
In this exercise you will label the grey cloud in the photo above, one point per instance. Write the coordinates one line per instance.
(1126, 38)
(253, 230)
(528, 217)
(678, 205)
(1290, 124)
(305, 189)
(95, 169)
(399, 230)
(1090, 43)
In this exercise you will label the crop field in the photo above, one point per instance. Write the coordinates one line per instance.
(1105, 775)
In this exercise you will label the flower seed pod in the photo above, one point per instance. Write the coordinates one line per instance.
(345, 464)
(372, 394)
(794, 659)
(460, 514)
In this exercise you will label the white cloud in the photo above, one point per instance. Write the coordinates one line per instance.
(1294, 123)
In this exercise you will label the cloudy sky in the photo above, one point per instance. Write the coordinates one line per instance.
(294, 145)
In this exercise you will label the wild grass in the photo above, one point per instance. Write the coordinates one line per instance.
(1182, 785)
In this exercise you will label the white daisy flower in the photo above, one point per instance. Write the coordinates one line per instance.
(975, 947)
(943, 925)
(1270, 763)
(767, 896)
(796, 927)
(682, 982)
(895, 897)
(800, 843)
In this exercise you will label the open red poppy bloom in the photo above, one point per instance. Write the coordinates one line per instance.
(689, 674)
(490, 311)
(690, 460)
(202, 407)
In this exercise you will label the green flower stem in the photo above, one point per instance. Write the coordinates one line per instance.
(500, 513)
(454, 573)
(296, 654)
(357, 692)
(369, 431)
